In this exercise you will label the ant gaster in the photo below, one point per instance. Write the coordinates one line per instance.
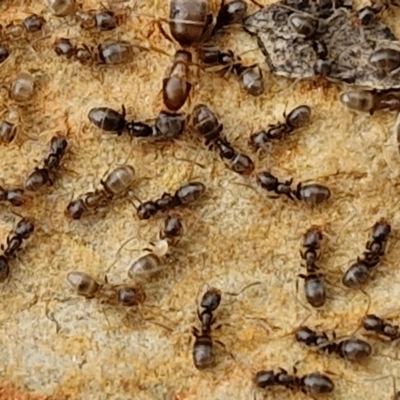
(117, 183)
(44, 176)
(187, 193)
(311, 384)
(153, 262)
(359, 272)
(22, 231)
(351, 349)
(313, 281)
(296, 119)
(203, 352)
(125, 295)
(312, 194)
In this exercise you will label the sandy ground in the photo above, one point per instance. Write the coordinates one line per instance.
(53, 343)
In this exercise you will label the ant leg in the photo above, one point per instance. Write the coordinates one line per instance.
(163, 32)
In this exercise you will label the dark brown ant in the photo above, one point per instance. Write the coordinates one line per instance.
(125, 295)
(296, 119)
(101, 21)
(41, 177)
(167, 125)
(203, 352)
(206, 123)
(375, 324)
(359, 272)
(397, 131)
(154, 262)
(117, 183)
(250, 77)
(15, 196)
(19, 30)
(312, 194)
(311, 384)
(370, 102)
(187, 193)
(238, 162)
(313, 282)
(351, 349)
(109, 53)
(176, 83)
(22, 231)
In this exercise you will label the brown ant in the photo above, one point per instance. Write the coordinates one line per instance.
(4, 53)
(167, 125)
(22, 87)
(203, 352)
(351, 349)
(41, 177)
(311, 384)
(296, 119)
(14, 196)
(359, 272)
(312, 194)
(176, 83)
(205, 123)
(250, 77)
(117, 183)
(375, 324)
(19, 30)
(125, 295)
(366, 101)
(153, 262)
(109, 53)
(397, 131)
(187, 193)
(22, 232)
(313, 281)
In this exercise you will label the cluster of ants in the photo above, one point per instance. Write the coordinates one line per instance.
(191, 25)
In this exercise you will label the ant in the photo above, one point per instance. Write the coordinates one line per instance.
(351, 349)
(109, 53)
(250, 77)
(378, 325)
(167, 125)
(22, 231)
(360, 271)
(229, 14)
(365, 101)
(4, 53)
(312, 194)
(43, 176)
(15, 196)
(203, 352)
(205, 123)
(117, 183)
(397, 131)
(312, 384)
(152, 263)
(296, 119)
(187, 193)
(105, 20)
(313, 283)
(19, 30)
(125, 295)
